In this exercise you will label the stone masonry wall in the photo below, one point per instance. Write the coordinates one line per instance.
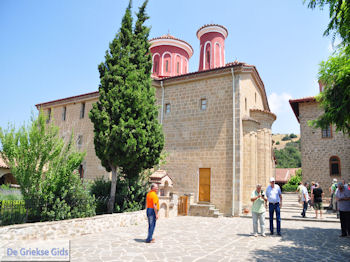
(316, 151)
(72, 227)
(196, 138)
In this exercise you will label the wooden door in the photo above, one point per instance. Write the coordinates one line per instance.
(182, 206)
(204, 184)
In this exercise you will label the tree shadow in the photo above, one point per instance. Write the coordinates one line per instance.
(307, 244)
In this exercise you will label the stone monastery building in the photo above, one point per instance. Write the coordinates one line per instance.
(325, 154)
(216, 122)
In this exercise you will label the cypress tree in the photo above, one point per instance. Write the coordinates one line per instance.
(127, 135)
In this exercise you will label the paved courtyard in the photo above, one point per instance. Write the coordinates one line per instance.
(214, 239)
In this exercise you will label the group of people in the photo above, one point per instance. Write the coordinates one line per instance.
(259, 198)
(273, 196)
(314, 201)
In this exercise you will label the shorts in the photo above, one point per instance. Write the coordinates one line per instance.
(318, 205)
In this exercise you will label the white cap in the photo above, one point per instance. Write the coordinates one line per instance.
(334, 180)
(272, 179)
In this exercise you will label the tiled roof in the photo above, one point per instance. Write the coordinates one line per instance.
(2, 163)
(67, 98)
(264, 111)
(294, 103)
(207, 25)
(168, 36)
(284, 174)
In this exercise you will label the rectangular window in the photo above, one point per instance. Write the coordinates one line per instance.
(82, 110)
(178, 67)
(64, 112)
(203, 104)
(48, 115)
(156, 66)
(80, 141)
(327, 132)
(166, 66)
(167, 108)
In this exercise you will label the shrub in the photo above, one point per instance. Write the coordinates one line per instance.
(130, 193)
(293, 182)
(278, 142)
(285, 138)
(12, 212)
(292, 136)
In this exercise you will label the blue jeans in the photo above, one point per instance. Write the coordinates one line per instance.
(275, 207)
(151, 216)
(304, 208)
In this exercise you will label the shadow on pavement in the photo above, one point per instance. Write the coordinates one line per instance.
(307, 244)
(140, 240)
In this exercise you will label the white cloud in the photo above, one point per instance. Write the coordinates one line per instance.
(279, 103)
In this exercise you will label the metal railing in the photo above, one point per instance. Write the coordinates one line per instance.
(27, 211)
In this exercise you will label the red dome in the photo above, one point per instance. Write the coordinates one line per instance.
(170, 56)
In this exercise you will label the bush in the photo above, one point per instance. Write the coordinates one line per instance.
(292, 136)
(12, 212)
(285, 138)
(278, 142)
(293, 182)
(130, 193)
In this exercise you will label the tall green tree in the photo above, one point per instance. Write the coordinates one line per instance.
(46, 170)
(335, 72)
(339, 15)
(127, 135)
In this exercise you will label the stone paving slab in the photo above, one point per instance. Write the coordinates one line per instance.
(214, 239)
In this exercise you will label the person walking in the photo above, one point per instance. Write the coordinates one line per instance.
(300, 186)
(332, 189)
(316, 198)
(274, 196)
(152, 202)
(343, 199)
(305, 199)
(258, 210)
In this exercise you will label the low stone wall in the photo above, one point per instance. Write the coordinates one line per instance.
(73, 227)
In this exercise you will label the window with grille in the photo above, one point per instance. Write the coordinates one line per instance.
(48, 115)
(327, 132)
(334, 166)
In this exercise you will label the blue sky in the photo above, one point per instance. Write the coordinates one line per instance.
(51, 49)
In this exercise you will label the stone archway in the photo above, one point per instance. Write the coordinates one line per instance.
(7, 178)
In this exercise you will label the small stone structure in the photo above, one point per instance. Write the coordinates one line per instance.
(167, 199)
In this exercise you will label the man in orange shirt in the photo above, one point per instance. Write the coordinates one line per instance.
(152, 202)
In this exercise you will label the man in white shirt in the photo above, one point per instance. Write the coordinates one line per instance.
(304, 198)
(274, 196)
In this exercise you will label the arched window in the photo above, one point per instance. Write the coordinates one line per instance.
(334, 166)
(167, 63)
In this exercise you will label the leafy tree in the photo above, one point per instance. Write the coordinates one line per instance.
(45, 168)
(288, 157)
(293, 182)
(292, 135)
(334, 73)
(286, 138)
(339, 15)
(335, 99)
(127, 134)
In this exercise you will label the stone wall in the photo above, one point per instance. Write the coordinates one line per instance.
(73, 227)
(316, 151)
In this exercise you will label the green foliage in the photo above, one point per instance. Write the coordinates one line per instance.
(130, 195)
(335, 100)
(127, 134)
(289, 157)
(292, 184)
(286, 138)
(292, 136)
(12, 212)
(339, 15)
(45, 168)
(278, 142)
